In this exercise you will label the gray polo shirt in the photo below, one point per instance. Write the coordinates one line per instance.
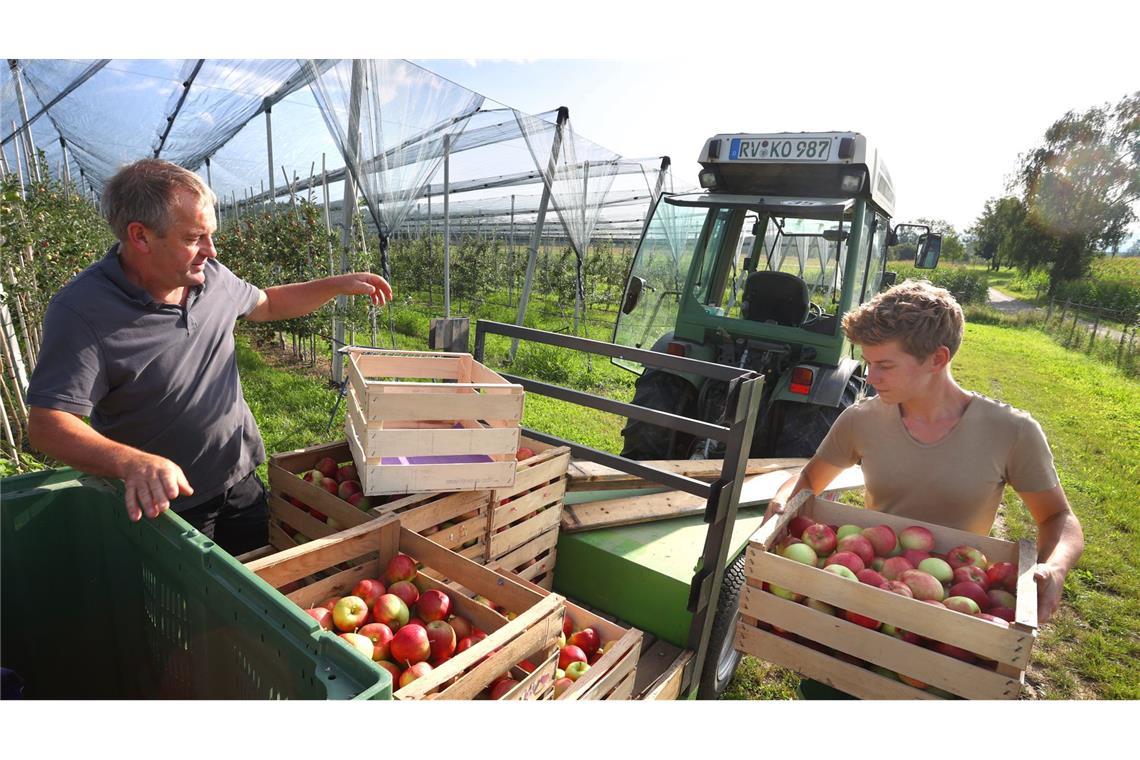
(161, 378)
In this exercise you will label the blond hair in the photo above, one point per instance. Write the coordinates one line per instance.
(145, 192)
(920, 316)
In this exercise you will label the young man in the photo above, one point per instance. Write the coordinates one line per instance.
(142, 343)
(932, 451)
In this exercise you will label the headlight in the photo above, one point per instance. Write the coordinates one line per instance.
(708, 179)
(852, 183)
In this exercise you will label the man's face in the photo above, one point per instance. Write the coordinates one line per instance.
(896, 375)
(179, 257)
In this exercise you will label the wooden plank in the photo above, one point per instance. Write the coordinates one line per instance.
(393, 442)
(668, 684)
(318, 554)
(517, 535)
(511, 560)
(443, 405)
(836, 673)
(299, 520)
(521, 506)
(542, 468)
(1025, 615)
(656, 658)
(590, 476)
(339, 584)
(428, 366)
(928, 666)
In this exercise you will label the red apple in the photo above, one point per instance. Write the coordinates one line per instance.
(410, 645)
(391, 611)
(994, 619)
(893, 567)
(329, 485)
(963, 555)
(862, 620)
(916, 537)
(785, 542)
(329, 603)
(469, 641)
(381, 637)
(820, 538)
(346, 472)
(441, 639)
(898, 587)
(850, 560)
(970, 574)
(407, 591)
(349, 613)
(859, 545)
(327, 467)
(923, 585)
(569, 654)
(561, 685)
(418, 670)
(963, 604)
(393, 670)
(587, 639)
(400, 568)
(567, 625)
(1005, 613)
(1001, 598)
(870, 577)
(417, 621)
(348, 488)
(360, 501)
(461, 625)
(973, 591)
(915, 557)
(312, 476)
(433, 605)
(360, 644)
(502, 687)
(322, 616)
(953, 651)
(369, 589)
(1002, 575)
(882, 538)
(524, 452)
(798, 525)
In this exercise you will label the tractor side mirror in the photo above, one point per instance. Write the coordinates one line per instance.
(888, 281)
(632, 294)
(929, 249)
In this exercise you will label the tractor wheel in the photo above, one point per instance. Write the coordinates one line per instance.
(667, 393)
(804, 426)
(721, 658)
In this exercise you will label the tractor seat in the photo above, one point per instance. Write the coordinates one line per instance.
(775, 297)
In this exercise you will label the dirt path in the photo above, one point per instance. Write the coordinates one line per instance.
(1009, 304)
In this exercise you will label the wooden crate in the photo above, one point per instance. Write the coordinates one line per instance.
(832, 650)
(338, 562)
(415, 437)
(524, 518)
(457, 521)
(614, 674)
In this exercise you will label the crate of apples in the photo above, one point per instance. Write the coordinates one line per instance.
(927, 607)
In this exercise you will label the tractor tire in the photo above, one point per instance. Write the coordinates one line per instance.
(667, 393)
(721, 658)
(804, 426)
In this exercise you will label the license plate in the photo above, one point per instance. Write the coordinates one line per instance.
(796, 149)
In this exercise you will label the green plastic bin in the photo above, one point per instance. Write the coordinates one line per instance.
(97, 607)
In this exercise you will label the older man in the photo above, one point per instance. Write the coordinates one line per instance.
(142, 343)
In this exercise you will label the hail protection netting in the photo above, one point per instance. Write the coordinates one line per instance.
(391, 121)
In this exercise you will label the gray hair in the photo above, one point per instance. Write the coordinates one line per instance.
(145, 191)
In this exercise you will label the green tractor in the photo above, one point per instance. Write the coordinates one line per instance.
(757, 272)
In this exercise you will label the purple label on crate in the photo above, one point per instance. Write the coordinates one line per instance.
(439, 459)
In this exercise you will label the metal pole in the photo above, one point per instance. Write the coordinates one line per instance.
(269, 146)
(349, 209)
(446, 226)
(536, 237)
(66, 169)
(511, 258)
(4, 161)
(19, 164)
(33, 165)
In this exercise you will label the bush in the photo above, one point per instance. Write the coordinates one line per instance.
(967, 285)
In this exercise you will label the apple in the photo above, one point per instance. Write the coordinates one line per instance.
(898, 587)
(1005, 613)
(329, 603)
(799, 524)
(1001, 598)
(994, 619)
(916, 537)
(347, 472)
(461, 625)
(348, 488)
(329, 485)
(820, 538)
(349, 613)
(312, 476)
(800, 553)
(502, 687)
(393, 670)
(400, 568)
(360, 644)
(785, 593)
(963, 604)
(970, 574)
(418, 670)
(870, 577)
(407, 591)
(877, 564)
(847, 530)
(381, 637)
(410, 645)
(569, 654)
(567, 625)
(327, 467)
(391, 611)
(912, 681)
(923, 585)
(441, 639)
(953, 651)
(576, 670)
(787, 541)
(369, 589)
(469, 641)
(322, 616)
(914, 556)
(480, 599)
(587, 640)
(360, 501)
(524, 452)
(819, 606)
(433, 605)
(893, 567)
(862, 620)
(882, 538)
(416, 621)
(849, 560)
(963, 555)
(561, 685)
(859, 545)
(940, 569)
(841, 570)
(973, 591)
(1002, 575)
(900, 634)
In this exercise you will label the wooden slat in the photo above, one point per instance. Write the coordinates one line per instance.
(589, 476)
(630, 510)
(318, 554)
(1026, 613)
(769, 532)
(667, 686)
(426, 366)
(542, 468)
(521, 506)
(339, 584)
(836, 673)
(927, 666)
(511, 560)
(448, 405)
(513, 537)
(539, 683)
(393, 442)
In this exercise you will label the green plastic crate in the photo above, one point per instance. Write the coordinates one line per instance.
(97, 607)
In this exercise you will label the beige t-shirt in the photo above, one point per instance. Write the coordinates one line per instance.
(957, 481)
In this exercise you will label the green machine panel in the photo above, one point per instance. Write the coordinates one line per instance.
(641, 573)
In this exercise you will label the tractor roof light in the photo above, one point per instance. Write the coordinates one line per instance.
(802, 378)
(708, 179)
(852, 182)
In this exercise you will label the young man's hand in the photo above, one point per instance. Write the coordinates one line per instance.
(367, 284)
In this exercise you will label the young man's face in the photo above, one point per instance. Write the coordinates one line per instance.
(179, 257)
(896, 375)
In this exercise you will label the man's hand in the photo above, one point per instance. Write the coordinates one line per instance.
(366, 284)
(151, 483)
(779, 502)
(1050, 583)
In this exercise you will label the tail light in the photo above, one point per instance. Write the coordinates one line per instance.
(677, 349)
(802, 378)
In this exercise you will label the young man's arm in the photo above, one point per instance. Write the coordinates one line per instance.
(1060, 541)
(816, 475)
(301, 298)
(151, 481)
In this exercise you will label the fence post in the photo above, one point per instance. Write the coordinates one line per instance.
(1096, 325)
(1064, 309)
(1049, 310)
(1073, 329)
(1120, 348)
